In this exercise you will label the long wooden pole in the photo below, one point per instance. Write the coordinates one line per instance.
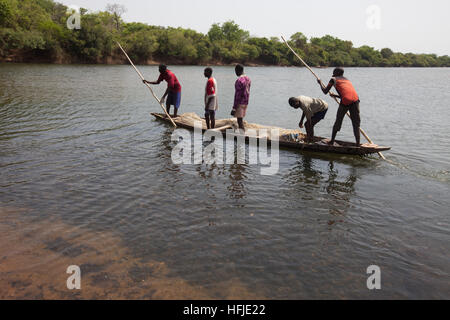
(148, 86)
(330, 93)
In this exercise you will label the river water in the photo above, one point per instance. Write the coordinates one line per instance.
(87, 179)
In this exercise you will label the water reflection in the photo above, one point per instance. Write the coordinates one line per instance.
(338, 188)
(163, 152)
(329, 186)
(237, 175)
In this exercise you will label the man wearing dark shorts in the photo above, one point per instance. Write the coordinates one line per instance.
(314, 110)
(173, 91)
(349, 103)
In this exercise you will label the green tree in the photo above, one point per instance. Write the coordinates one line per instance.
(5, 12)
(386, 53)
(299, 40)
(227, 31)
(38, 28)
(370, 56)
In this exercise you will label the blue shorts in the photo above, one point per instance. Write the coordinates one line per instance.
(319, 115)
(210, 113)
(174, 99)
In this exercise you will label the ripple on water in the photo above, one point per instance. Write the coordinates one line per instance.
(97, 172)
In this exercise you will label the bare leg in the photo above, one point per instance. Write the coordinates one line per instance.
(309, 131)
(357, 134)
(356, 122)
(333, 136)
(213, 121)
(338, 124)
(241, 123)
(207, 120)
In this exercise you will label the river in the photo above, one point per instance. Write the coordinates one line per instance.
(87, 179)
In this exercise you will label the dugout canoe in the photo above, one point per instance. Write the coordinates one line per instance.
(341, 147)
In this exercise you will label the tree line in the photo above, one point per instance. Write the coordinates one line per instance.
(33, 30)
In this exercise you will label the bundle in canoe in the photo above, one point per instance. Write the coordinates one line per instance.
(288, 138)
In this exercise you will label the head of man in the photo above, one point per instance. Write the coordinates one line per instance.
(162, 68)
(239, 70)
(208, 72)
(294, 102)
(338, 72)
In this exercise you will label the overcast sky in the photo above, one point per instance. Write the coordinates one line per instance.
(402, 25)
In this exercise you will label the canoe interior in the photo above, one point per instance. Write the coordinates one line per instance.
(343, 147)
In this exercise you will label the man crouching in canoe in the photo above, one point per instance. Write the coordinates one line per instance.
(173, 91)
(313, 109)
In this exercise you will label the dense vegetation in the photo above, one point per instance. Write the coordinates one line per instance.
(36, 30)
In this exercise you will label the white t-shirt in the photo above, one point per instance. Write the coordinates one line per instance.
(311, 106)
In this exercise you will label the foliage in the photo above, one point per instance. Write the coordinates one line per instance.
(39, 27)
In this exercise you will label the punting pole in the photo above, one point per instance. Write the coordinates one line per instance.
(148, 86)
(335, 99)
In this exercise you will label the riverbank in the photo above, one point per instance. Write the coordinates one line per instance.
(117, 59)
(65, 60)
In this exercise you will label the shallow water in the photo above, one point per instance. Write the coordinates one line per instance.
(87, 179)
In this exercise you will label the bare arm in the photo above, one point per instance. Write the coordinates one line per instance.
(301, 121)
(151, 82)
(326, 89)
(165, 94)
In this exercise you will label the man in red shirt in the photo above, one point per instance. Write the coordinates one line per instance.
(349, 103)
(173, 91)
(211, 104)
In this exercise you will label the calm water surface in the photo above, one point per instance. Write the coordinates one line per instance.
(87, 179)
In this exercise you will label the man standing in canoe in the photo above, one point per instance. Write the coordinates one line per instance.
(241, 96)
(211, 104)
(173, 91)
(349, 103)
(313, 109)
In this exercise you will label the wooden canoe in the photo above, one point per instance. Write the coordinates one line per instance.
(341, 147)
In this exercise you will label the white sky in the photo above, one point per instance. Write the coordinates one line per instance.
(405, 25)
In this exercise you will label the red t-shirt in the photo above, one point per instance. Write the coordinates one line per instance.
(345, 89)
(211, 87)
(172, 82)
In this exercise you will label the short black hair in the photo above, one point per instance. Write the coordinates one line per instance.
(162, 68)
(239, 68)
(339, 72)
(293, 102)
(209, 70)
